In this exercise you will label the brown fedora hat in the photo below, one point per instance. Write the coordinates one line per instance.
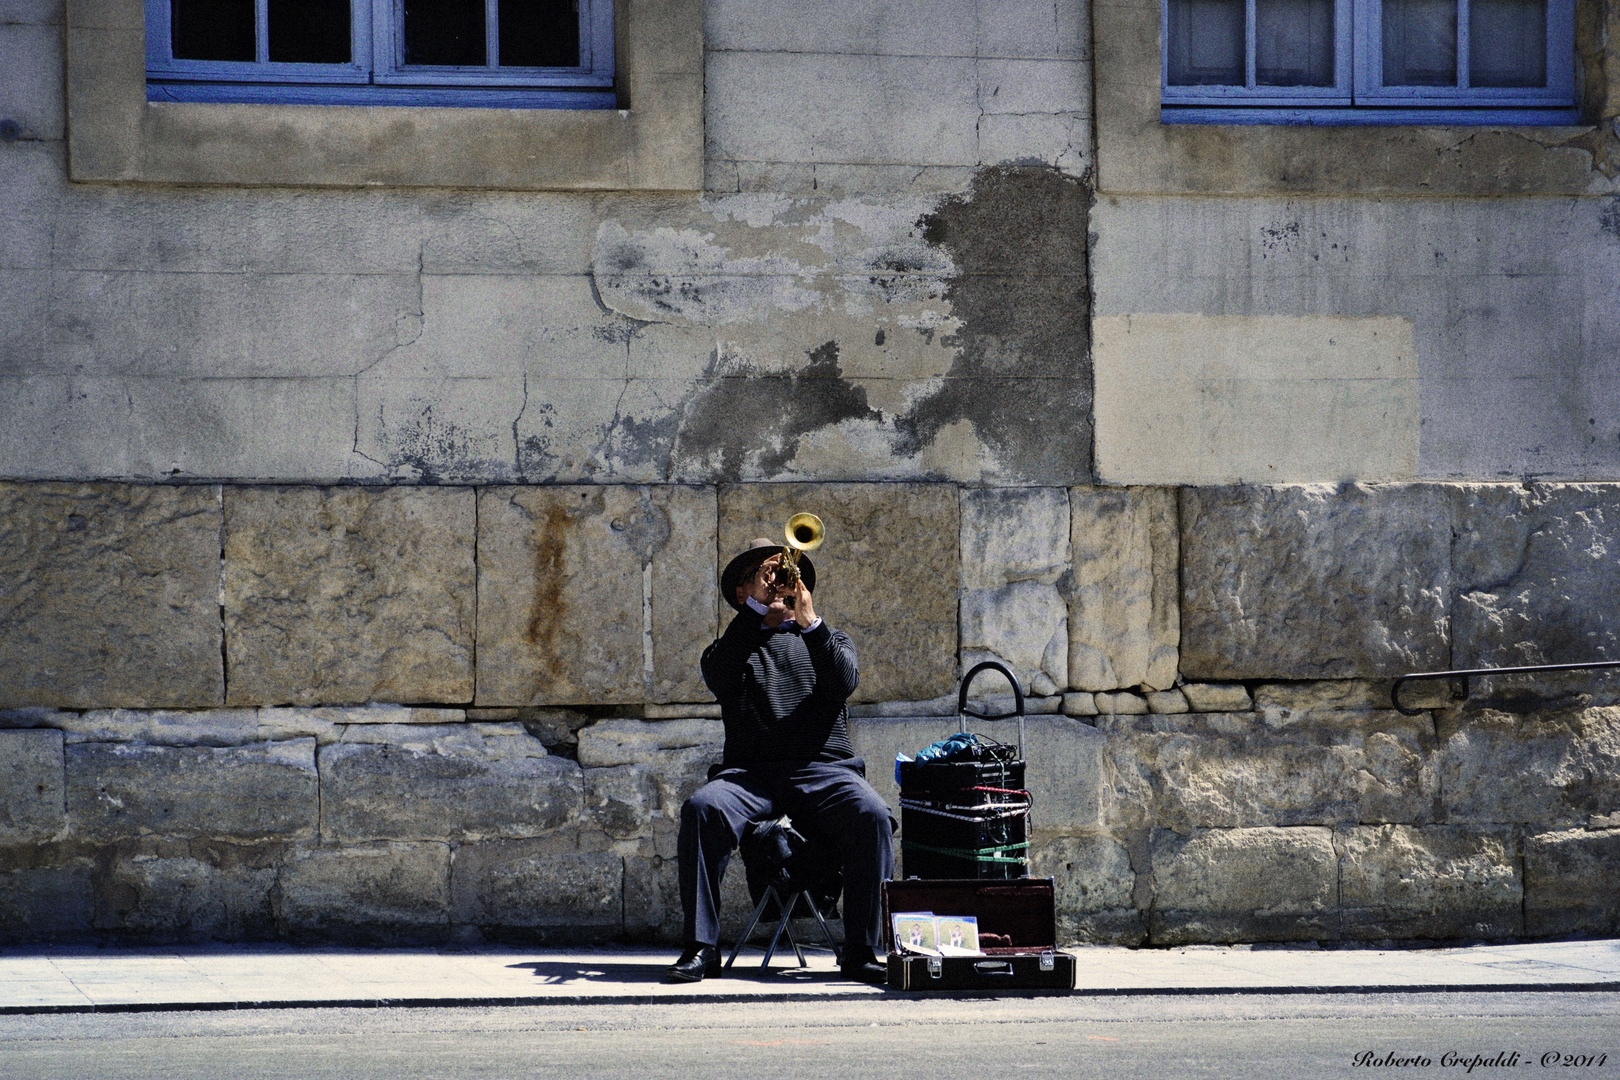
(759, 549)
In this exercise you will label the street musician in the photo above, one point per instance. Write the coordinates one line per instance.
(782, 677)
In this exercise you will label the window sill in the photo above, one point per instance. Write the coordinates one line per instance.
(116, 134)
(1365, 117)
(1139, 153)
(446, 97)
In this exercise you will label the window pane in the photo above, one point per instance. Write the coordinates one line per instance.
(1420, 42)
(1206, 43)
(309, 31)
(1507, 43)
(213, 30)
(444, 32)
(1293, 42)
(539, 33)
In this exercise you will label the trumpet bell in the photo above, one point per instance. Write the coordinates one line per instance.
(805, 532)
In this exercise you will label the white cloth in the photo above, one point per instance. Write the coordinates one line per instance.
(788, 624)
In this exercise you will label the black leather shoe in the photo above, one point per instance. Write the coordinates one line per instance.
(696, 963)
(864, 967)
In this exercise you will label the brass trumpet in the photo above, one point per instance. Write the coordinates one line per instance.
(804, 532)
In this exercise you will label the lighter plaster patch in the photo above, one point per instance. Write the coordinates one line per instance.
(1208, 399)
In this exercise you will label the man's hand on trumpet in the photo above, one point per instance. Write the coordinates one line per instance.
(781, 602)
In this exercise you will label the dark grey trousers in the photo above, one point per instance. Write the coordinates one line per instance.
(829, 804)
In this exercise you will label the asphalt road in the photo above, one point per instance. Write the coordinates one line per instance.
(1155, 1038)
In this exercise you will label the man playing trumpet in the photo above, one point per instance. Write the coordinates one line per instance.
(782, 676)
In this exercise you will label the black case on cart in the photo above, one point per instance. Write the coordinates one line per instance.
(1021, 909)
(967, 817)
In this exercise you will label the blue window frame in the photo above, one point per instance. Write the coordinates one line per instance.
(1368, 62)
(506, 54)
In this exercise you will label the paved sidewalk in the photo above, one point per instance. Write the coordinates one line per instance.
(87, 979)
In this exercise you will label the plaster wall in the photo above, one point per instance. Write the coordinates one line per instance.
(391, 333)
(1510, 302)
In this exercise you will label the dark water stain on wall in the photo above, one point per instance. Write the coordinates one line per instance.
(1609, 219)
(747, 419)
(440, 451)
(1022, 375)
(547, 628)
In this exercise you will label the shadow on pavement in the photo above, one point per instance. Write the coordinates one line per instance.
(605, 970)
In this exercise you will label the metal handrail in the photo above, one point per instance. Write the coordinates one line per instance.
(1464, 674)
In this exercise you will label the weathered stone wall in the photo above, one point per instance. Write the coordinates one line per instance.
(1212, 751)
(358, 541)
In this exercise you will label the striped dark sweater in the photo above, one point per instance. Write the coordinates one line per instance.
(782, 693)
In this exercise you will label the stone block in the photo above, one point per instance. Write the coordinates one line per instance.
(21, 345)
(124, 790)
(1124, 618)
(312, 235)
(642, 803)
(1004, 705)
(1291, 698)
(1218, 771)
(190, 891)
(594, 594)
(337, 595)
(782, 107)
(1057, 140)
(1167, 701)
(887, 574)
(1265, 884)
(1079, 704)
(1023, 625)
(878, 739)
(908, 27)
(1121, 704)
(164, 727)
(681, 711)
(1065, 771)
(1554, 767)
(1529, 564)
(1029, 28)
(630, 742)
(652, 898)
(1280, 703)
(1034, 86)
(1572, 883)
(1015, 552)
(109, 596)
(1013, 534)
(31, 78)
(1093, 874)
(33, 797)
(335, 724)
(1217, 697)
(622, 800)
(376, 893)
(34, 717)
(530, 885)
(47, 903)
(555, 728)
(1439, 881)
(940, 706)
(236, 324)
(1094, 889)
(442, 784)
(540, 233)
(1314, 582)
(156, 428)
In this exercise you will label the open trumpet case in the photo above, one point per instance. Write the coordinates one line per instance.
(1017, 910)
